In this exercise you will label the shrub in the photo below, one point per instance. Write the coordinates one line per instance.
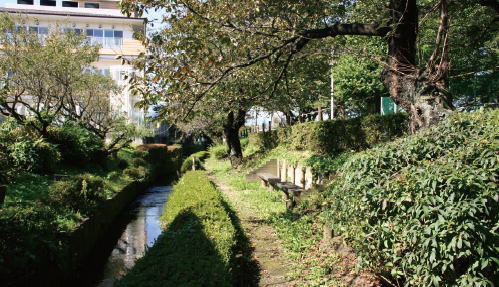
(244, 143)
(197, 246)
(263, 141)
(325, 166)
(135, 173)
(80, 193)
(78, 145)
(22, 149)
(334, 136)
(164, 163)
(423, 209)
(218, 151)
(198, 157)
(114, 175)
(137, 162)
(122, 164)
(48, 157)
(28, 238)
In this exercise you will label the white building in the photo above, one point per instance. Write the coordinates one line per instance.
(102, 22)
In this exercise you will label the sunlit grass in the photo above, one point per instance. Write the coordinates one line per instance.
(299, 234)
(250, 197)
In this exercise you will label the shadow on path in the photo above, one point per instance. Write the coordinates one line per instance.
(246, 268)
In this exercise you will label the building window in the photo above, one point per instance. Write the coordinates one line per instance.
(25, 2)
(111, 39)
(70, 4)
(92, 5)
(47, 2)
(42, 32)
(73, 30)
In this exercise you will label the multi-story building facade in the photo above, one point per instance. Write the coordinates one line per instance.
(103, 24)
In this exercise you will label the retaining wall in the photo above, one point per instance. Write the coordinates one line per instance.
(82, 241)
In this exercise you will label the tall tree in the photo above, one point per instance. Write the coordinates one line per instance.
(47, 79)
(274, 32)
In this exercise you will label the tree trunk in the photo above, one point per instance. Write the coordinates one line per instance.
(374, 104)
(231, 133)
(421, 94)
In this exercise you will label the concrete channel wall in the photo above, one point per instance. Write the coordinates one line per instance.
(84, 239)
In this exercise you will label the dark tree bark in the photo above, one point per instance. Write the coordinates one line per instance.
(422, 93)
(374, 104)
(231, 133)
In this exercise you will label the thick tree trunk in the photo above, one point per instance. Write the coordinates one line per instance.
(231, 133)
(374, 104)
(421, 94)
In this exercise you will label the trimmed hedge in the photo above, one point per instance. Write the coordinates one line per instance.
(199, 158)
(163, 163)
(197, 247)
(218, 151)
(335, 136)
(423, 209)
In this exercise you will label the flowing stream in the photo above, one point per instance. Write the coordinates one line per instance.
(142, 229)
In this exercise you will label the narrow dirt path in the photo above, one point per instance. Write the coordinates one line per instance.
(268, 252)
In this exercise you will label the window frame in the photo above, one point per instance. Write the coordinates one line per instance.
(70, 2)
(31, 2)
(50, 3)
(108, 39)
(89, 5)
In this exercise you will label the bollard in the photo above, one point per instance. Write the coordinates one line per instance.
(193, 164)
(3, 191)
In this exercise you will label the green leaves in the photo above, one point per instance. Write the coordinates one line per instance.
(437, 224)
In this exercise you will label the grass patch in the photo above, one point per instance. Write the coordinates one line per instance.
(250, 196)
(299, 231)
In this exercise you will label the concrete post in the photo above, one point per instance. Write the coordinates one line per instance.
(193, 164)
(284, 170)
(278, 168)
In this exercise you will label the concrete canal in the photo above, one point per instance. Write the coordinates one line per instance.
(138, 229)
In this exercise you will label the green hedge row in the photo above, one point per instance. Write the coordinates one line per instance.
(423, 209)
(199, 159)
(335, 136)
(197, 246)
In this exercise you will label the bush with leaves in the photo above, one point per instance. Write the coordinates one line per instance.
(198, 159)
(135, 173)
(423, 209)
(335, 136)
(218, 151)
(28, 238)
(326, 166)
(80, 193)
(23, 149)
(77, 144)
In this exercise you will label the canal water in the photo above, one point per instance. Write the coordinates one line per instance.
(140, 232)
